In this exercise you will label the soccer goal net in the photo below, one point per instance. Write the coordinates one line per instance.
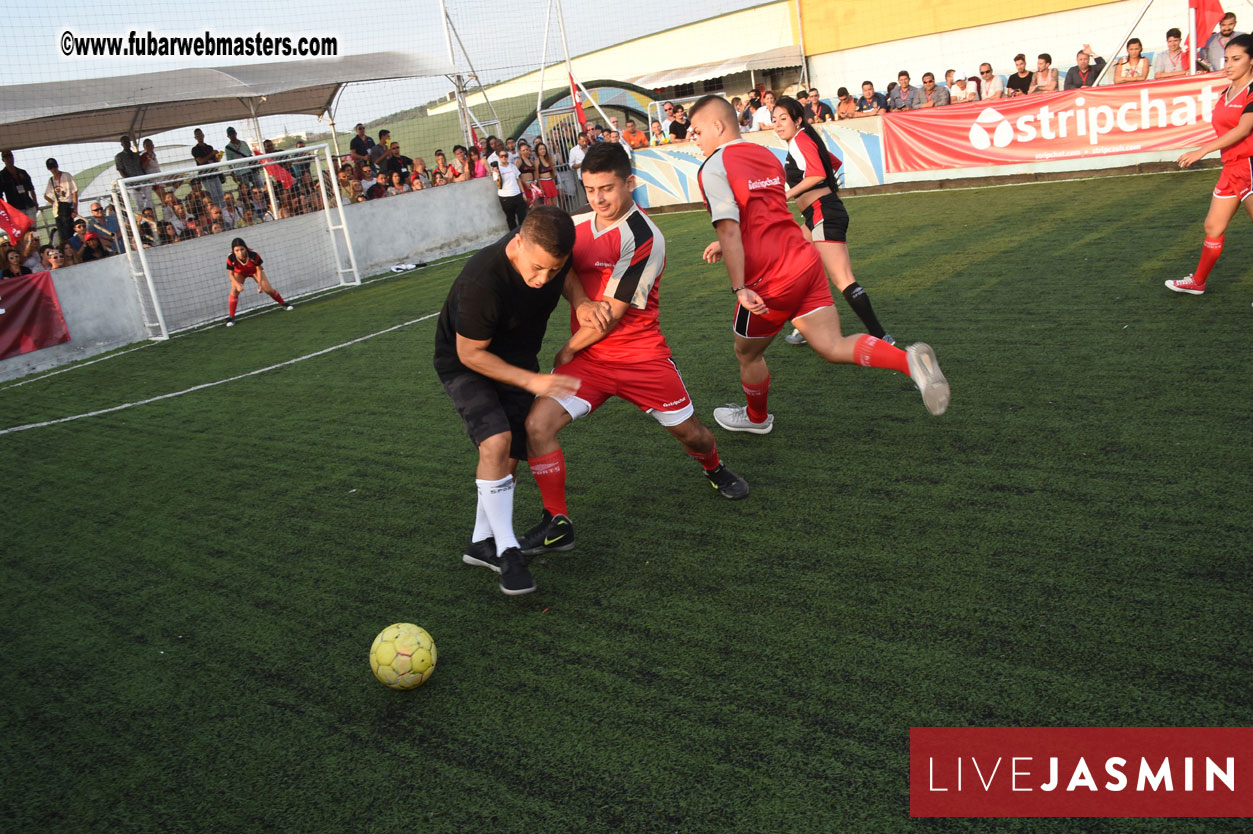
(284, 205)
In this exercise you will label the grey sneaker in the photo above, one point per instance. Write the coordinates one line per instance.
(795, 337)
(924, 369)
(735, 418)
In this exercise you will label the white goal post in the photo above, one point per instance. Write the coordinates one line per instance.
(184, 223)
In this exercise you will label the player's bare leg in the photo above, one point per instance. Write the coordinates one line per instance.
(839, 269)
(1217, 219)
(554, 532)
(698, 441)
(755, 382)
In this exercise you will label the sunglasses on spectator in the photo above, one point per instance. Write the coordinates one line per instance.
(97, 211)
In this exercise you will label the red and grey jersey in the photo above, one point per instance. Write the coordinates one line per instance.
(809, 158)
(248, 268)
(1233, 105)
(625, 262)
(743, 182)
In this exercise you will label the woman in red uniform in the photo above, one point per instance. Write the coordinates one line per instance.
(810, 170)
(544, 167)
(1233, 122)
(242, 264)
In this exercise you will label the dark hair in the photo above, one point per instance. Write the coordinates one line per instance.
(1245, 42)
(440, 152)
(717, 101)
(927, 75)
(904, 73)
(51, 163)
(239, 241)
(549, 228)
(1174, 32)
(607, 157)
(1227, 16)
(1020, 57)
(1136, 41)
(383, 133)
(1046, 58)
(843, 91)
(871, 83)
(792, 107)
(456, 148)
(582, 135)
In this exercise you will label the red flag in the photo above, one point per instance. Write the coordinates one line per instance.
(14, 222)
(280, 173)
(578, 103)
(474, 137)
(30, 315)
(1208, 13)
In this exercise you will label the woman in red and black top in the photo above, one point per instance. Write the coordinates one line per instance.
(810, 170)
(544, 167)
(1233, 122)
(242, 264)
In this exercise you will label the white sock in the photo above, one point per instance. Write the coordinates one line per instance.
(482, 527)
(496, 498)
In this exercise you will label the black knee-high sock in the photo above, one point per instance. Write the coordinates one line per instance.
(856, 297)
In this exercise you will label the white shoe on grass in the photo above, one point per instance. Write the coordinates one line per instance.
(735, 418)
(925, 371)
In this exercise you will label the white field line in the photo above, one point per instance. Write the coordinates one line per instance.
(250, 314)
(205, 385)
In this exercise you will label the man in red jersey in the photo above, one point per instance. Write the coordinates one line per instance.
(777, 275)
(619, 255)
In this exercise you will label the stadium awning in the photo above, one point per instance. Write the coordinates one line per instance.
(102, 109)
(783, 56)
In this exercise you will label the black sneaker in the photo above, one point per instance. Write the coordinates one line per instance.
(482, 554)
(515, 579)
(727, 483)
(553, 534)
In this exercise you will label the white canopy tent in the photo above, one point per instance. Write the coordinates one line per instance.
(102, 109)
(784, 56)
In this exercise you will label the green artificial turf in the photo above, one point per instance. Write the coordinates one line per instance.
(190, 586)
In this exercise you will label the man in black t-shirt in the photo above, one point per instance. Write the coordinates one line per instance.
(16, 187)
(204, 154)
(360, 145)
(487, 347)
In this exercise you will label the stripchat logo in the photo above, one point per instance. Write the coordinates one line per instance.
(1081, 120)
(1081, 772)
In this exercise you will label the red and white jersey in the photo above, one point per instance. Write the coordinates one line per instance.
(1227, 113)
(248, 268)
(743, 182)
(807, 158)
(624, 261)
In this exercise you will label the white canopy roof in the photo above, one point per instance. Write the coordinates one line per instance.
(783, 56)
(102, 109)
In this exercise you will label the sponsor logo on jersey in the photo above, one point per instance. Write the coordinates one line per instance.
(754, 185)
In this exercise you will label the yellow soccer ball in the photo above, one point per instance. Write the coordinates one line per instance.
(403, 656)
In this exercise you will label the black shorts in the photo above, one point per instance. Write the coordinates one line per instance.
(827, 220)
(488, 408)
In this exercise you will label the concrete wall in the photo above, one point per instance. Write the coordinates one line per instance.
(101, 307)
(424, 225)
(101, 311)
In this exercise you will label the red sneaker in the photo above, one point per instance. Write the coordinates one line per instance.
(1186, 285)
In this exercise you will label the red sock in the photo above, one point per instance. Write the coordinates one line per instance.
(757, 396)
(232, 304)
(709, 460)
(278, 298)
(1209, 256)
(876, 353)
(550, 476)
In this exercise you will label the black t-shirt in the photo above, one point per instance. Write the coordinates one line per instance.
(17, 189)
(678, 129)
(489, 300)
(1020, 83)
(403, 164)
(361, 144)
(201, 151)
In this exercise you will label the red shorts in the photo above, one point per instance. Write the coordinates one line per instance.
(653, 385)
(548, 188)
(800, 297)
(1236, 180)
